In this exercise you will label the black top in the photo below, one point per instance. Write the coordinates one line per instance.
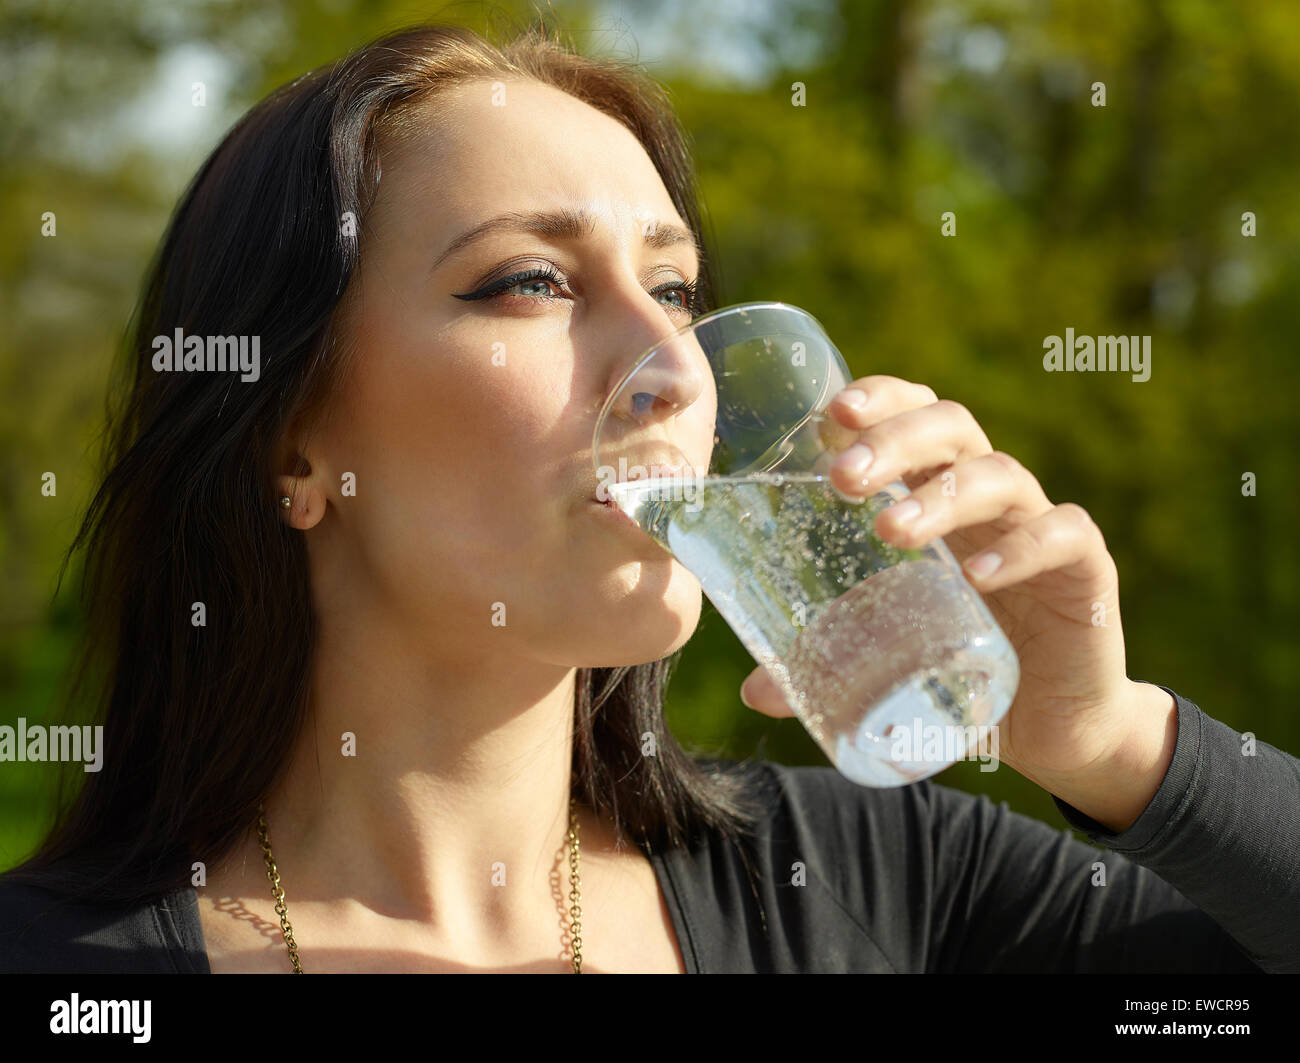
(918, 878)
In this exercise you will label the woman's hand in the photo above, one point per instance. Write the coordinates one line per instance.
(1077, 721)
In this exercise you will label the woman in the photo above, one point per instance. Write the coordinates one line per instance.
(363, 587)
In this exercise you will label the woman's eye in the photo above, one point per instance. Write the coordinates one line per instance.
(532, 286)
(534, 281)
(685, 293)
(545, 284)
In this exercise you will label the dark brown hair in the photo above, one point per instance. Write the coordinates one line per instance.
(199, 722)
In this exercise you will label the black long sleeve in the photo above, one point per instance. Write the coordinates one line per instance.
(925, 878)
(1206, 879)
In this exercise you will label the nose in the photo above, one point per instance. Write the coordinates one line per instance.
(666, 383)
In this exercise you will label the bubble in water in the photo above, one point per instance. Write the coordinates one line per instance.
(909, 640)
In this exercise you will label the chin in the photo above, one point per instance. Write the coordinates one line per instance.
(645, 618)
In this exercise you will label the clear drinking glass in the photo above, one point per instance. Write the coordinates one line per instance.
(716, 443)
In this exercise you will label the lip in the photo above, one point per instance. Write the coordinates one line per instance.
(615, 514)
(613, 509)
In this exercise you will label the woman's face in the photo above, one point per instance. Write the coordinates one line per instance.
(468, 422)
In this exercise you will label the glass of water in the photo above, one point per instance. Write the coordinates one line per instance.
(717, 444)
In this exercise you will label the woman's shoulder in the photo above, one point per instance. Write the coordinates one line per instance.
(44, 932)
(828, 874)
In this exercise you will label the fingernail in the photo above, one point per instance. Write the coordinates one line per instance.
(856, 460)
(984, 565)
(854, 398)
(906, 511)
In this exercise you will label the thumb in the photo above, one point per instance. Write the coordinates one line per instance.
(760, 693)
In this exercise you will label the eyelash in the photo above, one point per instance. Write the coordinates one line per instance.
(496, 288)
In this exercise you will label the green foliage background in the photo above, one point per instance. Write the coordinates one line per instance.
(1122, 219)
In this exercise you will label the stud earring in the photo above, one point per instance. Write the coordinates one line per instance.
(285, 502)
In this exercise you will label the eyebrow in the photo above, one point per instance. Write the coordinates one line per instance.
(565, 224)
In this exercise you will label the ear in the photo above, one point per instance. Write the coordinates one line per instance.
(298, 479)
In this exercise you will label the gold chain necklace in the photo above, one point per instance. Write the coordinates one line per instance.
(286, 930)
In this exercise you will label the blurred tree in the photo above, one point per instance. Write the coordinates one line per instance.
(1125, 219)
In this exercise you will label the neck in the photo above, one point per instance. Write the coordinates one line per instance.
(448, 804)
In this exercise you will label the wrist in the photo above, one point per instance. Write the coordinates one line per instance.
(1116, 792)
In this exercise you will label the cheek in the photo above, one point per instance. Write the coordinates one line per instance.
(451, 454)
(440, 412)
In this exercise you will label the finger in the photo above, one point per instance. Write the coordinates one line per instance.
(760, 693)
(912, 441)
(991, 487)
(884, 395)
(1064, 538)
